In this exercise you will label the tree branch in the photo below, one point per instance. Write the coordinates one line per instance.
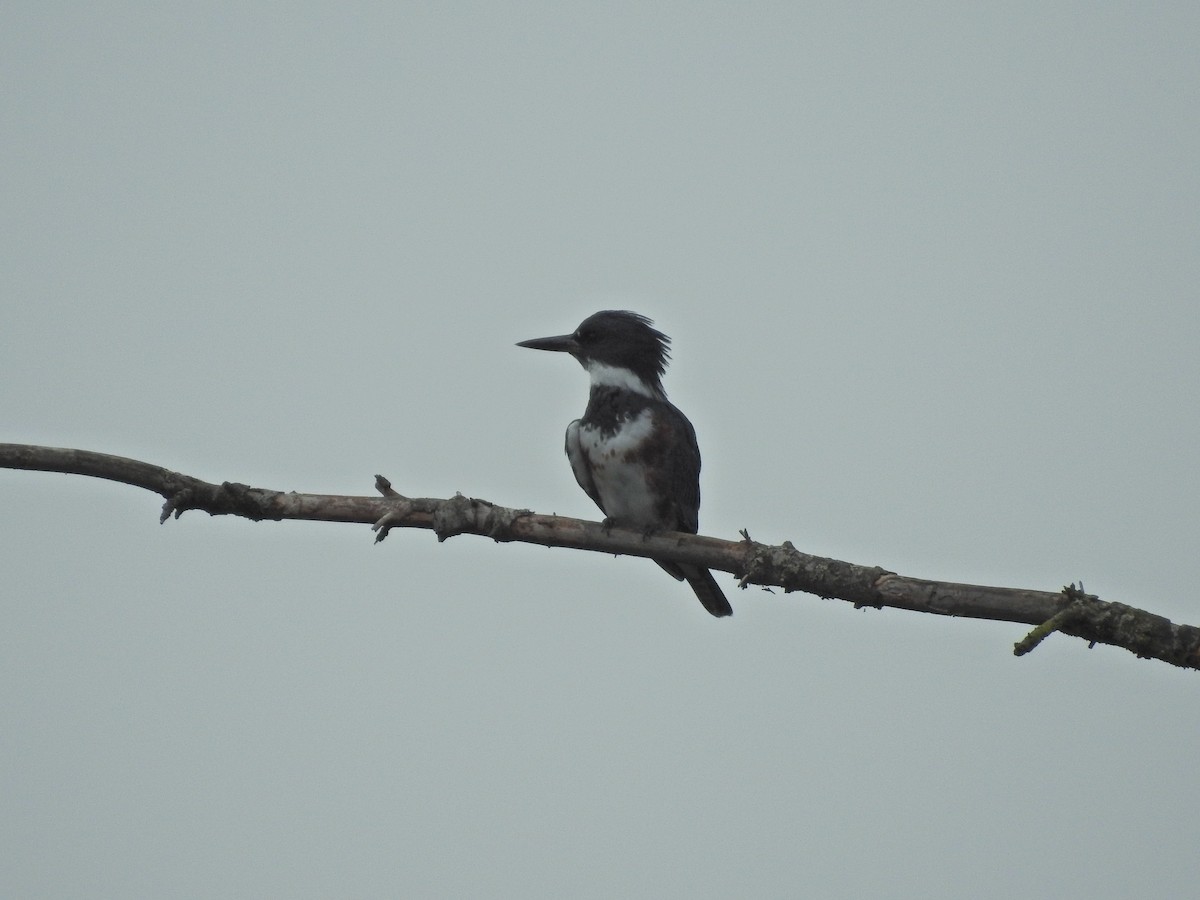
(1071, 611)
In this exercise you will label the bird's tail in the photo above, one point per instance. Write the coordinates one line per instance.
(705, 586)
(703, 583)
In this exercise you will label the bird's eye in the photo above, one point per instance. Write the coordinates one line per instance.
(583, 335)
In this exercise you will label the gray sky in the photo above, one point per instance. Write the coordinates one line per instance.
(931, 275)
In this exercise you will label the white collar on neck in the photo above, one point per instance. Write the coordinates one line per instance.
(615, 376)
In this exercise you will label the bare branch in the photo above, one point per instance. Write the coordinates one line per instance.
(1070, 612)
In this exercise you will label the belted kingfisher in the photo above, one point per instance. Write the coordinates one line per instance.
(633, 452)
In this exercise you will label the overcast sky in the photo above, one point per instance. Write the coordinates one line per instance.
(931, 274)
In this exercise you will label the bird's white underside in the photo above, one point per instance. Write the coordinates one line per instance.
(625, 496)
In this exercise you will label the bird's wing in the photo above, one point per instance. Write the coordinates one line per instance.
(580, 466)
(683, 469)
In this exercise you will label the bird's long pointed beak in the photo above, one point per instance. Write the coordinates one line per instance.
(562, 343)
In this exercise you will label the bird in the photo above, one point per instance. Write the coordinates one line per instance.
(633, 452)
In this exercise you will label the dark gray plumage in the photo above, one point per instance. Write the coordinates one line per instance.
(633, 452)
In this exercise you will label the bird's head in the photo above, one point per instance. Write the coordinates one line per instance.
(617, 348)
